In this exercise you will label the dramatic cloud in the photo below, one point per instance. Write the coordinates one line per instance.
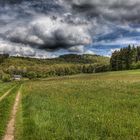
(34, 24)
(49, 34)
(109, 9)
(48, 28)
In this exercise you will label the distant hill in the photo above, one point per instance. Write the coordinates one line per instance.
(63, 65)
(85, 59)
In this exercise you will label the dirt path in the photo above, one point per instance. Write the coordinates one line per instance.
(6, 93)
(9, 135)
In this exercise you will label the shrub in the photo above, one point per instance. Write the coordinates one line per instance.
(103, 68)
(32, 75)
(1, 73)
(135, 65)
(6, 78)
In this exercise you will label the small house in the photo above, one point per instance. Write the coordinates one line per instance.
(17, 77)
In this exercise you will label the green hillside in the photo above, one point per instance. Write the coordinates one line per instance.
(64, 65)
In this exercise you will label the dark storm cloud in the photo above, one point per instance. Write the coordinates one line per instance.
(47, 33)
(122, 10)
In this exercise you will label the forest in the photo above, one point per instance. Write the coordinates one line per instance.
(125, 59)
(42, 68)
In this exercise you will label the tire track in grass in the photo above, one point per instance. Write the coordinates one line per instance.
(9, 135)
(6, 93)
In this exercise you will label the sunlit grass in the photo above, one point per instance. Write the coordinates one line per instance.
(4, 87)
(83, 107)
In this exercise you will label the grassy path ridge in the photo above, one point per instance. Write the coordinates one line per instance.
(9, 135)
(6, 93)
(6, 105)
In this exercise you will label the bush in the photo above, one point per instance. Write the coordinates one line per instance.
(135, 65)
(6, 78)
(103, 68)
(32, 75)
(1, 73)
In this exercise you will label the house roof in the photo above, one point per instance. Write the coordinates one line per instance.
(17, 76)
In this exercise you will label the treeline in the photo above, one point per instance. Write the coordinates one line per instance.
(82, 59)
(125, 59)
(42, 68)
(59, 70)
(3, 57)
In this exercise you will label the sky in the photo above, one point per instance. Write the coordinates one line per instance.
(49, 28)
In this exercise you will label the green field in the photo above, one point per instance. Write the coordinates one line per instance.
(83, 107)
(4, 87)
(103, 106)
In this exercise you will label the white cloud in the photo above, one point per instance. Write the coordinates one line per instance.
(89, 52)
(120, 41)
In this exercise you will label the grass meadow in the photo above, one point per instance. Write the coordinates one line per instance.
(4, 87)
(102, 106)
